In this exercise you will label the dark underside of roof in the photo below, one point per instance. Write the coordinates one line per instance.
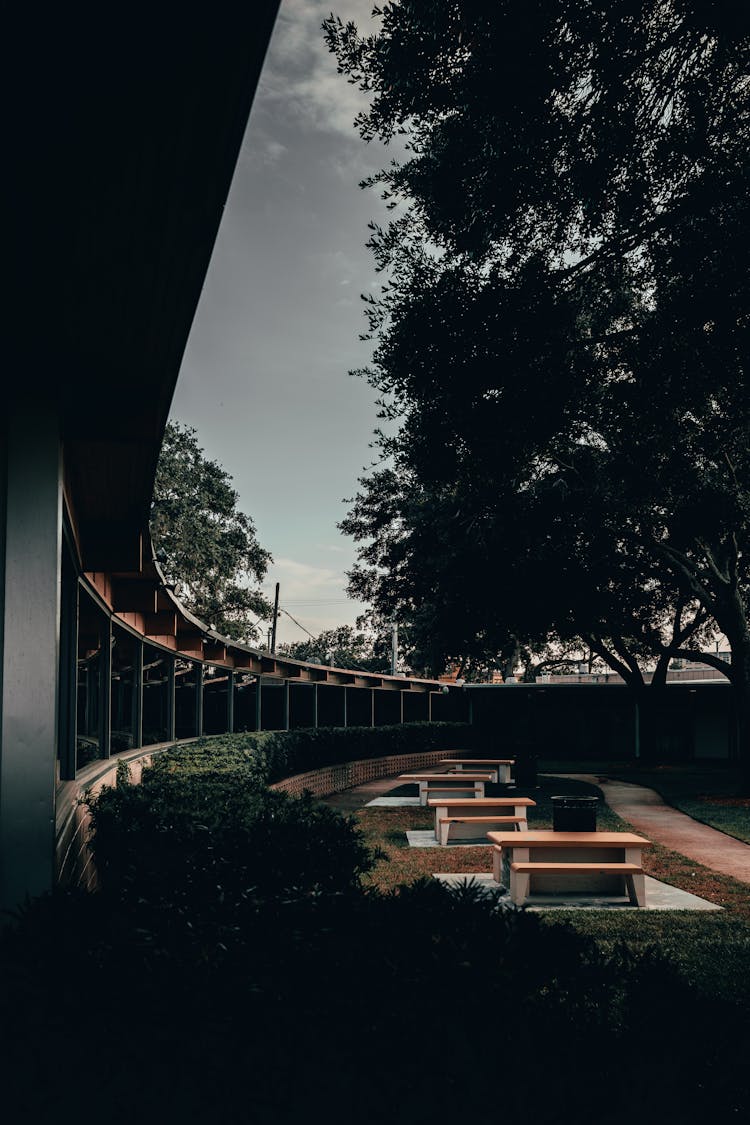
(123, 129)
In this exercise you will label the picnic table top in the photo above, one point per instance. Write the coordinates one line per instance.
(441, 778)
(478, 761)
(546, 837)
(481, 802)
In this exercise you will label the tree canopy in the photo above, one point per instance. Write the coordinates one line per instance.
(563, 330)
(344, 646)
(207, 548)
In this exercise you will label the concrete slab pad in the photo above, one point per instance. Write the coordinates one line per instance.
(659, 896)
(393, 802)
(425, 838)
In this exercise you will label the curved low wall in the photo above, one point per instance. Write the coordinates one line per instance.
(334, 779)
(73, 862)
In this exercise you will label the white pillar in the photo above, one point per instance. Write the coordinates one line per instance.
(30, 623)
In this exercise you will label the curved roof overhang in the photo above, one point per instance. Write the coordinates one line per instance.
(123, 132)
(145, 602)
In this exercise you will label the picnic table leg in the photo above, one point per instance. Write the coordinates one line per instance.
(636, 884)
(519, 887)
(523, 825)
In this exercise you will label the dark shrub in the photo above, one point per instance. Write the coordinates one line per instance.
(211, 838)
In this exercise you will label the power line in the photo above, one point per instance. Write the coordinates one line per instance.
(296, 622)
(323, 601)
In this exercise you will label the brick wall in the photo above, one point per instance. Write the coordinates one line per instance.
(334, 779)
(74, 866)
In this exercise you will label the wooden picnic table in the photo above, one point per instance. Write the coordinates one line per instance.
(459, 819)
(446, 785)
(546, 862)
(500, 766)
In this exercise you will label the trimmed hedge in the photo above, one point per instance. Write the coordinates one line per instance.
(209, 838)
(276, 755)
(281, 754)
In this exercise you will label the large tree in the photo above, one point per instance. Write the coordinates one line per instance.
(206, 546)
(563, 333)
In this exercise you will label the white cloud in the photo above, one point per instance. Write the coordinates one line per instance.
(314, 595)
(301, 581)
(299, 78)
(272, 151)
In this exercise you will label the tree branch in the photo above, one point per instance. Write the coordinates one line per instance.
(617, 665)
(698, 657)
(682, 563)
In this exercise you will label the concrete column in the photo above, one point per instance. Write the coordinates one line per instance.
(285, 703)
(30, 639)
(346, 714)
(230, 702)
(66, 701)
(105, 691)
(258, 703)
(200, 676)
(315, 707)
(138, 696)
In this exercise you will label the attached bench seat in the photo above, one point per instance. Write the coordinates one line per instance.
(473, 827)
(521, 873)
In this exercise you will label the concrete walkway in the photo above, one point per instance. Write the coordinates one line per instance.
(647, 812)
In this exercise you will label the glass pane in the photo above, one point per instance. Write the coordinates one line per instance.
(156, 691)
(125, 650)
(215, 699)
(185, 695)
(245, 692)
(91, 624)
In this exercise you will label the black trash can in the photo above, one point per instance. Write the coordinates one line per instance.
(574, 814)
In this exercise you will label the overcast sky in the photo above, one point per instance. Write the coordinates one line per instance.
(265, 377)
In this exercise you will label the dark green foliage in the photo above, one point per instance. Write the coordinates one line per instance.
(290, 752)
(569, 371)
(233, 969)
(215, 840)
(345, 647)
(273, 755)
(403, 1006)
(209, 548)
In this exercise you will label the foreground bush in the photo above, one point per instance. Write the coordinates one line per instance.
(213, 838)
(232, 969)
(353, 1007)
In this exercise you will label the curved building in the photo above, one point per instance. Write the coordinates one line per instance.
(121, 144)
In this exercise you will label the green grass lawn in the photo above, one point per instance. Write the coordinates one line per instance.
(711, 949)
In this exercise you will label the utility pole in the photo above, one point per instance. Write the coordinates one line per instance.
(275, 619)
(394, 647)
